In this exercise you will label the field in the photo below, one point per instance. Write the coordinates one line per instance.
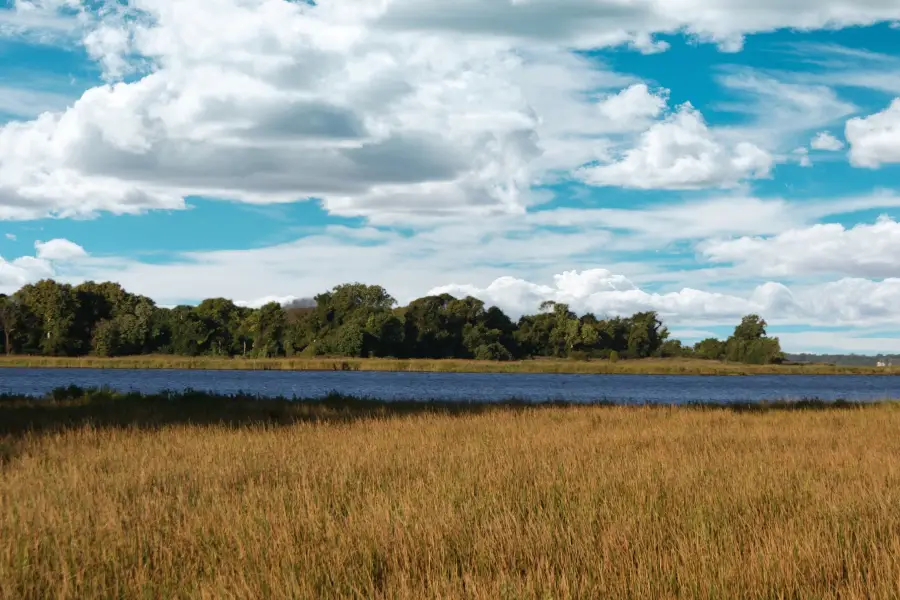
(104, 496)
(639, 367)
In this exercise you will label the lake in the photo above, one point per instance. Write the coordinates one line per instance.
(625, 389)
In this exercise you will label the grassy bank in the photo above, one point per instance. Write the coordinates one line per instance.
(203, 497)
(644, 366)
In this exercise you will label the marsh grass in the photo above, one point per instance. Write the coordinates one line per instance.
(359, 499)
(650, 366)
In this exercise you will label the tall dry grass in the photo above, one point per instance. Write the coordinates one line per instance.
(551, 503)
(650, 366)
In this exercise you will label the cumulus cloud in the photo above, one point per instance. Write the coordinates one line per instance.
(273, 101)
(826, 142)
(29, 269)
(682, 152)
(633, 106)
(850, 301)
(378, 109)
(20, 271)
(605, 293)
(875, 140)
(868, 250)
(60, 250)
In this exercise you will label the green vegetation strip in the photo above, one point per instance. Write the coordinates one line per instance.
(51, 319)
(662, 366)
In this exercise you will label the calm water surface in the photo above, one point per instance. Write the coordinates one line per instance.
(464, 386)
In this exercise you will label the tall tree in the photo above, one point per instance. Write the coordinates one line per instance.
(10, 320)
(55, 307)
(221, 321)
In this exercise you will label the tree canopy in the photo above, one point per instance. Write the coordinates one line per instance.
(352, 320)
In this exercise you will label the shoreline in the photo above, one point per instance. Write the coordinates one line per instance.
(542, 366)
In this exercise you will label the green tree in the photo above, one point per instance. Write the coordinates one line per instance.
(752, 327)
(266, 331)
(646, 334)
(221, 321)
(185, 330)
(55, 307)
(106, 339)
(710, 349)
(11, 320)
(750, 344)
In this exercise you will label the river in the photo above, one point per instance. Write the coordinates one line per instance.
(625, 389)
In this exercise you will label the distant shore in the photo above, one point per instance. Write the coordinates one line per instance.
(672, 366)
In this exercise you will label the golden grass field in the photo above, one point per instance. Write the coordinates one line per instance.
(586, 502)
(669, 366)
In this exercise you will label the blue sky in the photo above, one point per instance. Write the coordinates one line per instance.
(704, 159)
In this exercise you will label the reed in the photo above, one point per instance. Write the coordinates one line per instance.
(347, 498)
(637, 367)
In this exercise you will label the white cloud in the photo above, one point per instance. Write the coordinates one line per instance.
(633, 106)
(59, 250)
(802, 157)
(864, 250)
(782, 109)
(29, 269)
(875, 140)
(826, 142)
(836, 65)
(23, 102)
(851, 301)
(11, 236)
(656, 225)
(577, 23)
(839, 342)
(681, 152)
(605, 293)
(260, 302)
(272, 101)
(39, 21)
(389, 110)
(591, 23)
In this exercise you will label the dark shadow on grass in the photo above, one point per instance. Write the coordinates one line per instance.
(73, 407)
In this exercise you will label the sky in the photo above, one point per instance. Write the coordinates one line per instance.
(705, 159)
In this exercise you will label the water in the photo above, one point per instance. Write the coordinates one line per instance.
(465, 386)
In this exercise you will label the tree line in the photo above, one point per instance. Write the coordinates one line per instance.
(353, 320)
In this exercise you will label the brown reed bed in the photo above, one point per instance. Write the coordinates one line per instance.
(193, 496)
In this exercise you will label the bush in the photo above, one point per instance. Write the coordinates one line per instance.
(579, 355)
(614, 356)
(495, 351)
